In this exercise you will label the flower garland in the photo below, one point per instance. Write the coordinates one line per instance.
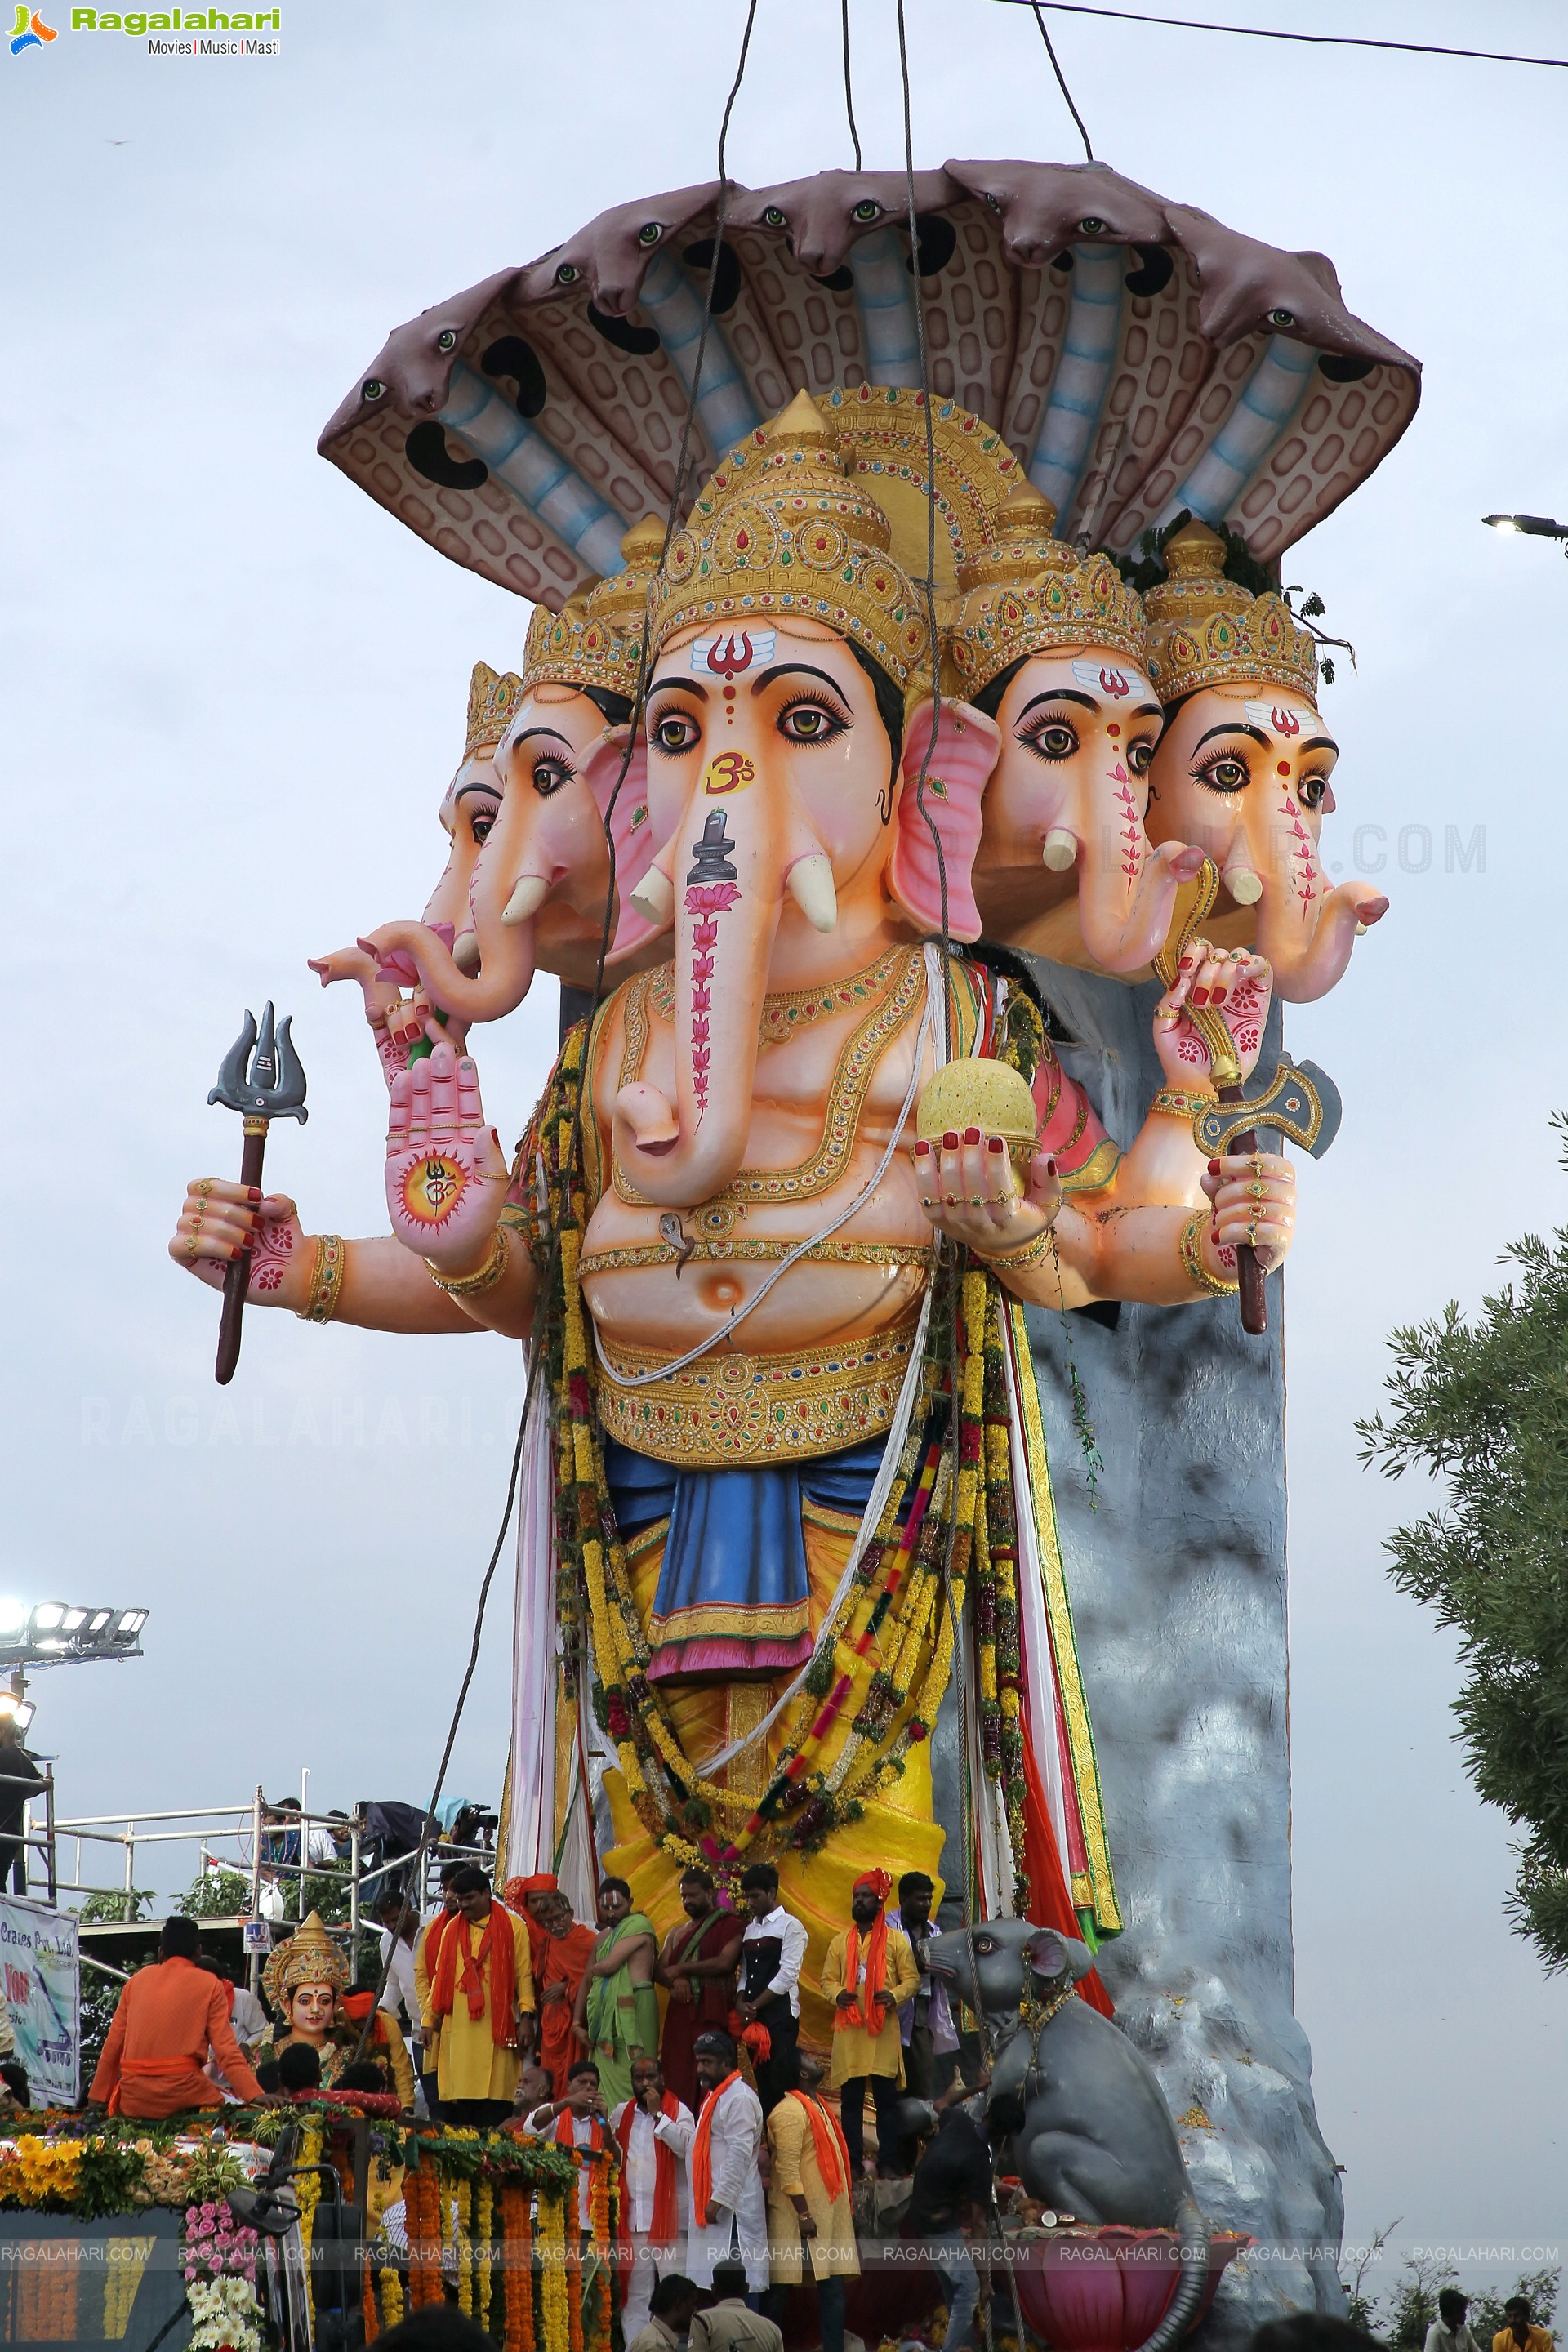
(125, 2260)
(555, 2297)
(308, 2190)
(484, 2230)
(603, 2206)
(392, 2293)
(423, 2228)
(463, 2240)
(517, 2234)
(572, 2287)
(47, 2300)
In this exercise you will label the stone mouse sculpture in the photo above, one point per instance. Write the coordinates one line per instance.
(1083, 2110)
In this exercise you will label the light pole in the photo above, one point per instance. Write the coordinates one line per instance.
(1530, 526)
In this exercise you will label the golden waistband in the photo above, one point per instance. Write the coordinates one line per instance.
(728, 1412)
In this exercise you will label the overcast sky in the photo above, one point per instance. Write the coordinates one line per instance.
(234, 690)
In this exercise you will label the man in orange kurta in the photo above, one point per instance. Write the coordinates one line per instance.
(167, 2019)
(568, 1948)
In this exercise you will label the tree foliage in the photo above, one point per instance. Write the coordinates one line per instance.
(1483, 1406)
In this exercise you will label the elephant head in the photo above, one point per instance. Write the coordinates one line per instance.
(1052, 646)
(816, 827)
(538, 892)
(1242, 770)
(469, 807)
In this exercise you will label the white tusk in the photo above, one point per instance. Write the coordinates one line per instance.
(654, 897)
(466, 952)
(527, 899)
(1060, 850)
(810, 885)
(1361, 930)
(1243, 884)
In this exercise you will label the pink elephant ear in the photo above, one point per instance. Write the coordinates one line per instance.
(631, 827)
(962, 759)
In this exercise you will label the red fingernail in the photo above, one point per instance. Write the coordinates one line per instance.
(950, 1140)
(1050, 1167)
(253, 1193)
(1186, 963)
(1213, 1167)
(971, 1135)
(922, 1150)
(1200, 996)
(996, 1144)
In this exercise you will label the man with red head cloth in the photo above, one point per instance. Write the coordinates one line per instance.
(869, 1971)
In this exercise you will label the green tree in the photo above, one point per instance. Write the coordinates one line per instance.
(217, 1895)
(1482, 1405)
(1540, 2290)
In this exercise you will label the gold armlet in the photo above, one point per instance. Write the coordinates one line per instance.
(1026, 1254)
(326, 1279)
(1190, 1250)
(484, 1278)
(1175, 1102)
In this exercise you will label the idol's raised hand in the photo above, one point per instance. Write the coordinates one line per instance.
(1230, 981)
(445, 1172)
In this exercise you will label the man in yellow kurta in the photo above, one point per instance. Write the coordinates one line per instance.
(868, 1970)
(808, 2198)
(475, 1985)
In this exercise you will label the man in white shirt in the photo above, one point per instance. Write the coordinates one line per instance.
(648, 2123)
(586, 2108)
(768, 1993)
(399, 1926)
(727, 2160)
(1450, 2331)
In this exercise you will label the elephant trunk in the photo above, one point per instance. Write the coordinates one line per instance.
(500, 987)
(1309, 957)
(726, 911)
(1127, 896)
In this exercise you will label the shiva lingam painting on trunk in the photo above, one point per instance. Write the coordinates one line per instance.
(917, 691)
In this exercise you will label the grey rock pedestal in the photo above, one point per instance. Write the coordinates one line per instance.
(1178, 1591)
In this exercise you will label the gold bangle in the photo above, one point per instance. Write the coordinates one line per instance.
(326, 1279)
(483, 1277)
(1190, 1250)
(1025, 1255)
(1174, 1102)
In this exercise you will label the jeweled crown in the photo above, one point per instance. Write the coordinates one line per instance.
(578, 647)
(1204, 630)
(1028, 593)
(493, 699)
(783, 528)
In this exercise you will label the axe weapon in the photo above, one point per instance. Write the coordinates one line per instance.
(263, 1078)
(1300, 1100)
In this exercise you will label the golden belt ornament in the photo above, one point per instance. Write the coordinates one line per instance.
(724, 1410)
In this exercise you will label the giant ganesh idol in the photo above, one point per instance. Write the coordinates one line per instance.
(866, 1199)
(777, 1486)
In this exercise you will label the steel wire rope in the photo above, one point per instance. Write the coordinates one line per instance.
(850, 91)
(1062, 81)
(1268, 33)
(552, 1261)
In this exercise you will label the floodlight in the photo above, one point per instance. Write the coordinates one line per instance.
(130, 1624)
(74, 1620)
(47, 1617)
(101, 1618)
(1532, 526)
(20, 1711)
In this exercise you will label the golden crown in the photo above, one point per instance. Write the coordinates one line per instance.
(309, 1957)
(1204, 630)
(493, 699)
(621, 601)
(782, 528)
(1028, 592)
(578, 647)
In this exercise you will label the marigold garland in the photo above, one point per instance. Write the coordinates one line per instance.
(463, 2240)
(517, 2236)
(554, 2296)
(392, 2293)
(125, 2259)
(308, 2190)
(484, 2233)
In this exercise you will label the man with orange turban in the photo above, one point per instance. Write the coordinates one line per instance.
(869, 1971)
(530, 1899)
(565, 1949)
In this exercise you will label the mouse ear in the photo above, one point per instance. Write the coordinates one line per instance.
(1048, 1952)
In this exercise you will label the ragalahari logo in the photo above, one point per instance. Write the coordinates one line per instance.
(31, 31)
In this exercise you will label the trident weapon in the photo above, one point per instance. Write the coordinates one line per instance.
(263, 1078)
(1300, 1100)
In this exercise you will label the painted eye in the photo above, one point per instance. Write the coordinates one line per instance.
(868, 209)
(773, 217)
(807, 722)
(674, 732)
(1226, 774)
(650, 233)
(1139, 756)
(1057, 740)
(1311, 791)
(984, 1946)
(1282, 318)
(568, 274)
(994, 202)
(548, 775)
(446, 341)
(1092, 226)
(373, 388)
